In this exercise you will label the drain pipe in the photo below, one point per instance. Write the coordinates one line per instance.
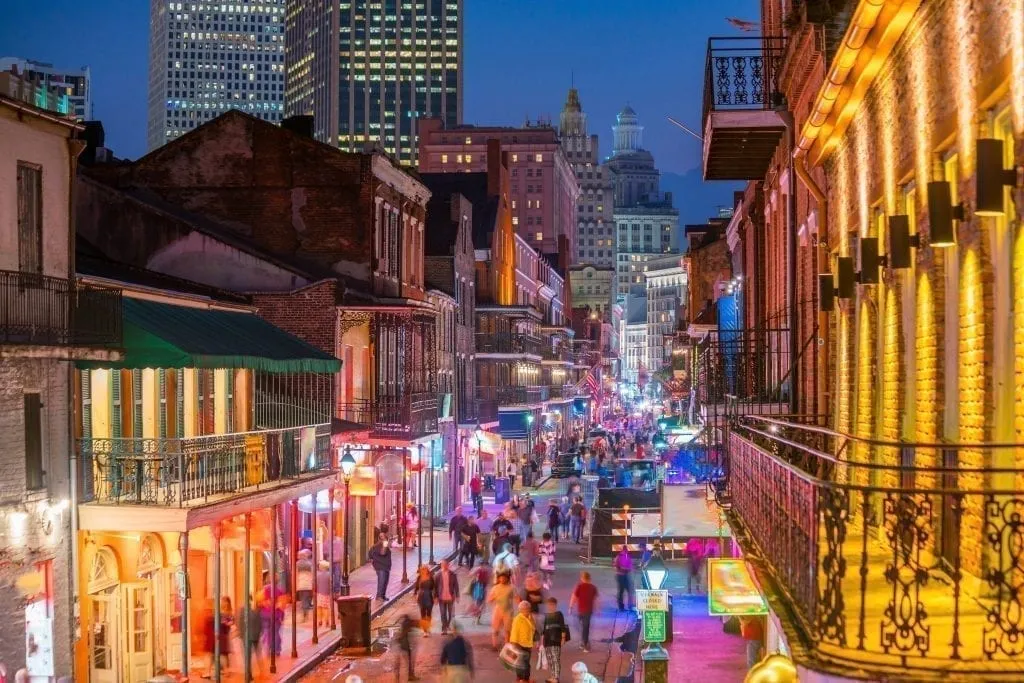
(820, 257)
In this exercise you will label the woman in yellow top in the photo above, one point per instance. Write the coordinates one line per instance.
(522, 635)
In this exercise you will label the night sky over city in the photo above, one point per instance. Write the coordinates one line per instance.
(649, 54)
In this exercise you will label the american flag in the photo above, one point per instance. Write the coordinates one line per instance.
(591, 383)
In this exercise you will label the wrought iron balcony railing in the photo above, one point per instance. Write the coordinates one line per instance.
(508, 343)
(178, 472)
(559, 353)
(513, 395)
(741, 73)
(412, 415)
(562, 391)
(49, 311)
(895, 558)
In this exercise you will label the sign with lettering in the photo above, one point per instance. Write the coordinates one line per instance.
(652, 601)
(655, 627)
(731, 589)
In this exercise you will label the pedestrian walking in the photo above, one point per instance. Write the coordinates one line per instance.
(457, 658)
(476, 494)
(455, 527)
(425, 591)
(470, 534)
(554, 634)
(501, 532)
(227, 622)
(547, 559)
(481, 579)
(510, 472)
(304, 582)
(323, 593)
(250, 639)
(380, 559)
(695, 555)
(412, 525)
(272, 618)
(576, 512)
(584, 599)
(447, 594)
(404, 642)
(533, 593)
(529, 551)
(624, 577)
(506, 562)
(501, 597)
(554, 517)
(523, 635)
(484, 539)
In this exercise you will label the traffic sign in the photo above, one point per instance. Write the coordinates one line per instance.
(655, 627)
(652, 601)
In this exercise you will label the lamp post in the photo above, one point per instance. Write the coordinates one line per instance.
(529, 442)
(402, 526)
(419, 511)
(348, 466)
(657, 625)
(430, 497)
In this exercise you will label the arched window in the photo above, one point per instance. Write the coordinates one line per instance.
(103, 573)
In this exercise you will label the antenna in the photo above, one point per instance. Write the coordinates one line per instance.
(672, 120)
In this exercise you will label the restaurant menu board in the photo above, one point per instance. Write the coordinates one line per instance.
(731, 589)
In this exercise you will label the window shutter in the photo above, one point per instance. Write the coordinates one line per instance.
(33, 442)
(230, 418)
(162, 392)
(137, 403)
(30, 218)
(115, 395)
(179, 399)
(86, 376)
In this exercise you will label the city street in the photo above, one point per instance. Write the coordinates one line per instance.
(701, 651)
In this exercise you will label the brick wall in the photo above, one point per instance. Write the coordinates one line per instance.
(309, 313)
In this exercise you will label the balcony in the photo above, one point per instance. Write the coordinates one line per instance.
(892, 559)
(405, 417)
(555, 355)
(742, 121)
(37, 310)
(561, 391)
(513, 396)
(183, 472)
(504, 344)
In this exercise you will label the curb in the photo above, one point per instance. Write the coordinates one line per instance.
(295, 675)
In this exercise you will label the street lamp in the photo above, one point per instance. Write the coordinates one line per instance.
(655, 572)
(348, 466)
(529, 441)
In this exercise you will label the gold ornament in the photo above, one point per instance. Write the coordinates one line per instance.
(775, 668)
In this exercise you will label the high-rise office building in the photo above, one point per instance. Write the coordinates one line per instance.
(74, 84)
(595, 225)
(208, 57)
(368, 70)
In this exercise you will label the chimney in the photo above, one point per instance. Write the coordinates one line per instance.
(94, 138)
(495, 162)
(301, 125)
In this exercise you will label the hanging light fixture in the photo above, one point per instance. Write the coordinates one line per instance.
(942, 213)
(900, 242)
(841, 286)
(990, 178)
(869, 261)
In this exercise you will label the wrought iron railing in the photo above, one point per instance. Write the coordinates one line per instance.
(557, 353)
(897, 558)
(513, 395)
(562, 391)
(507, 343)
(41, 310)
(410, 415)
(177, 472)
(742, 72)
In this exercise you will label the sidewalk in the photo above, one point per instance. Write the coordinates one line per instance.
(362, 581)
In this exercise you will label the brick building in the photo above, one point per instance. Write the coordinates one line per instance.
(542, 183)
(47, 321)
(899, 189)
(328, 245)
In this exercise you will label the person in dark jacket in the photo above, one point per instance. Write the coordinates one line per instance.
(447, 594)
(470, 542)
(455, 526)
(404, 641)
(457, 658)
(554, 634)
(380, 558)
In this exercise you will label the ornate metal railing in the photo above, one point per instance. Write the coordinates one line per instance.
(562, 391)
(896, 558)
(558, 353)
(507, 343)
(742, 72)
(40, 310)
(513, 395)
(410, 415)
(177, 472)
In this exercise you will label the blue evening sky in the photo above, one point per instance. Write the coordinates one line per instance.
(520, 58)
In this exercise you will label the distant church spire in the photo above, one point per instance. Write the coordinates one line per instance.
(572, 121)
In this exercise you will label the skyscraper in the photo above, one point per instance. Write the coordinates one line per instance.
(208, 57)
(367, 70)
(595, 225)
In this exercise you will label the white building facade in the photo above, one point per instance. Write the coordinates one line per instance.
(643, 233)
(666, 300)
(208, 57)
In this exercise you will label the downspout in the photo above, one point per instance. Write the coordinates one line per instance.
(820, 257)
(75, 147)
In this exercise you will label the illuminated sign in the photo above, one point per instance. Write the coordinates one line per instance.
(364, 481)
(731, 589)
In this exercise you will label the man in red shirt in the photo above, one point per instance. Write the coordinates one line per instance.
(584, 599)
(476, 490)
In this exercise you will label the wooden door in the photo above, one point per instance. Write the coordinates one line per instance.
(138, 631)
(104, 641)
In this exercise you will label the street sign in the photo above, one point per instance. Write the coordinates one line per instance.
(655, 627)
(652, 601)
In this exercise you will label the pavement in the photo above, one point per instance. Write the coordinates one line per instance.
(701, 652)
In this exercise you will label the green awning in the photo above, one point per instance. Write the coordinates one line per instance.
(160, 335)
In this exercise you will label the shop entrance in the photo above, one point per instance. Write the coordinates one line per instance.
(103, 625)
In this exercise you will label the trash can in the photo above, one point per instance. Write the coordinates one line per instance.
(502, 491)
(354, 619)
